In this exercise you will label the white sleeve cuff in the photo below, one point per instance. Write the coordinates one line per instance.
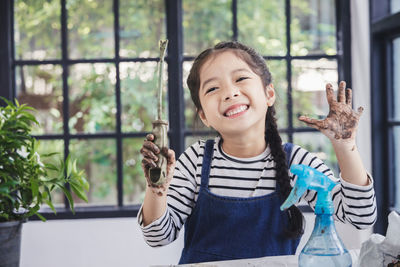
(358, 187)
(151, 225)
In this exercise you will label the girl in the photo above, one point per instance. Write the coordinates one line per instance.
(227, 191)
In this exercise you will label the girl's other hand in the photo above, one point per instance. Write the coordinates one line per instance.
(149, 152)
(340, 126)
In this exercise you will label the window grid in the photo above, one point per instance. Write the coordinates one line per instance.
(343, 73)
(384, 28)
(175, 60)
(393, 123)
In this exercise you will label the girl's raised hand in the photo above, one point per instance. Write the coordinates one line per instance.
(149, 151)
(341, 123)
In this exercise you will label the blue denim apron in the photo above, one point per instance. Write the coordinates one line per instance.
(227, 228)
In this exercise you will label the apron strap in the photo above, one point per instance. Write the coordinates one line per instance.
(288, 147)
(207, 158)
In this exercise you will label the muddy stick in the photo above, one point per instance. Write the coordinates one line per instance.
(158, 174)
(163, 47)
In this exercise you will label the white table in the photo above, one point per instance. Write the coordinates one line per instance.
(277, 261)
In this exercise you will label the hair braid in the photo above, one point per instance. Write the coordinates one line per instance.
(272, 137)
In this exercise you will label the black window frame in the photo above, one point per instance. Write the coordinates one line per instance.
(384, 27)
(175, 59)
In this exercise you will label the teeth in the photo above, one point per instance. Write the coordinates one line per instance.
(235, 111)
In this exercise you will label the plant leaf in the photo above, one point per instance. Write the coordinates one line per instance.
(34, 188)
(78, 191)
(51, 167)
(68, 165)
(69, 197)
(41, 217)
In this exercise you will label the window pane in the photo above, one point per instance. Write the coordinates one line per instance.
(309, 82)
(394, 6)
(320, 145)
(92, 105)
(41, 88)
(313, 27)
(134, 180)
(279, 80)
(284, 137)
(396, 79)
(37, 31)
(47, 147)
(97, 157)
(205, 23)
(142, 24)
(91, 29)
(396, 115)
(396, 165)
(139, 95)
(262, 25)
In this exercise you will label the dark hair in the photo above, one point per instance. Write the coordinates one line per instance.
(272, 137)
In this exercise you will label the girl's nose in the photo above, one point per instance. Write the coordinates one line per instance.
(231, 93)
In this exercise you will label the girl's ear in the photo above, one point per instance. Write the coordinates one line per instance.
(270, 92)
(203, 117)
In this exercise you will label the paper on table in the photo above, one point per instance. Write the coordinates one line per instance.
(379, 250)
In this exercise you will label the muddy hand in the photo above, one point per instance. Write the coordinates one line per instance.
(149, 151)
(342, 121)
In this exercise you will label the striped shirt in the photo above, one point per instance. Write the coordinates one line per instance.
(249, 177)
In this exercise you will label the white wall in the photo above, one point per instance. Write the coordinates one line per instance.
(91, 242)
(360, 51)
(118, 242)
(361, 75)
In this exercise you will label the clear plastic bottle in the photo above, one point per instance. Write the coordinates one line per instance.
(324, 248)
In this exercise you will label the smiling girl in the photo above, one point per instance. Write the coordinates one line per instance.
(227, 191)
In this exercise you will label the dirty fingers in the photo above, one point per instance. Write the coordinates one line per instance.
(341, 121)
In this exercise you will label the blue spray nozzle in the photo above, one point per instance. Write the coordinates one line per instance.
(310, 178)
(324, 248)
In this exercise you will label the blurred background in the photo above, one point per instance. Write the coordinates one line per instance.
(89, 69)
(110, 77)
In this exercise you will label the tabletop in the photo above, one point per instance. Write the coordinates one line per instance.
(276, 261)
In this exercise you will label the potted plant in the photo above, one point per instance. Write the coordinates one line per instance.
(25, 181)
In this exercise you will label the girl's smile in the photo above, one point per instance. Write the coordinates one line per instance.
(236, 110)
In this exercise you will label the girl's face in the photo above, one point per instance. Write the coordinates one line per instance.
(232, 96)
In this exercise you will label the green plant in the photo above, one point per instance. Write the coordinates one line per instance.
(26, 182)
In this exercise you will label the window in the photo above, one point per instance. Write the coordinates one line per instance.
(298, 39)
(394, 6)
(396, 115)
(385, 60)
(88, 68)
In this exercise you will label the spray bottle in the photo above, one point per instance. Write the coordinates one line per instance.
(158, 175)
(324, 248)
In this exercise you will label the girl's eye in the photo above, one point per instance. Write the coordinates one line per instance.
(241, 79)
(211, 89)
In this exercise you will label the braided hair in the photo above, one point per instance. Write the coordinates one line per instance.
(272, 137)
